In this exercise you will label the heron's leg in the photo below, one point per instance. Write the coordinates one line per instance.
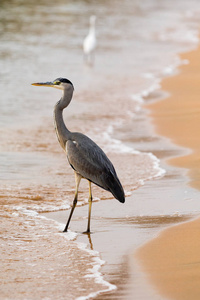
(90, 206)
(92, 58)
(77, 179)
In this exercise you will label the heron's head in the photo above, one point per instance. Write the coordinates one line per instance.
(59, 83)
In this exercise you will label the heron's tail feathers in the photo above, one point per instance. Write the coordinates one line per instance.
(116, 188)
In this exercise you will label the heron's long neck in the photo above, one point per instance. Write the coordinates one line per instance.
(92, 29)
(62, 132)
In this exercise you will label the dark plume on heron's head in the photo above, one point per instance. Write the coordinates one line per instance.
(60, 81)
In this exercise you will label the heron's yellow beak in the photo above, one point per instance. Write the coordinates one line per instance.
(48, 84)
(55, 84)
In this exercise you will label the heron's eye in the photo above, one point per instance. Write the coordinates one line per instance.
(56, 82)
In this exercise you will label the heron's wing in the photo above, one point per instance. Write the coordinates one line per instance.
(89, 160)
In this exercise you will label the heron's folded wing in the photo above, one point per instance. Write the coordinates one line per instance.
(89, 161)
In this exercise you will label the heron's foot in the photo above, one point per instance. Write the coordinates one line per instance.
(87, 232)
(65, 230)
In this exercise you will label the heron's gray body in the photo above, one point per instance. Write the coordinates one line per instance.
(84, 155)
(86, 158)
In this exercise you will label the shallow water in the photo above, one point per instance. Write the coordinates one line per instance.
(138, 44)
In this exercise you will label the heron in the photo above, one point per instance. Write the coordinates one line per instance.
(89, 43)
(85, 157)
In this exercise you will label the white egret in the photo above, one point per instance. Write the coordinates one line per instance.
(89, 43)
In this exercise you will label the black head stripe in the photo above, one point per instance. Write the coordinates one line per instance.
(65, 80)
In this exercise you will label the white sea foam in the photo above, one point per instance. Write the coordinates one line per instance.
(24, 210)
(177, 35)
(172, 69)
(114, 145)
(94, 273)
(139, 97)
(97, 262)
(70, 235)
(117, 146)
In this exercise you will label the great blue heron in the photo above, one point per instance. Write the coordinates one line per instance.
(89, 43)
(86, 158)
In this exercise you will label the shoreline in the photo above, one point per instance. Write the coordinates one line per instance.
(181, 108)
(171, 259)
(138, 44)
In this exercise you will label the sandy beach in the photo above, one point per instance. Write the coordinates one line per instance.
(118, 103)
(172, 259)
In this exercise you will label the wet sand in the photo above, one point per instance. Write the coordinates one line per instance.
(172, 259)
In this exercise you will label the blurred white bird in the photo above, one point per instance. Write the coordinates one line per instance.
(89, 43)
